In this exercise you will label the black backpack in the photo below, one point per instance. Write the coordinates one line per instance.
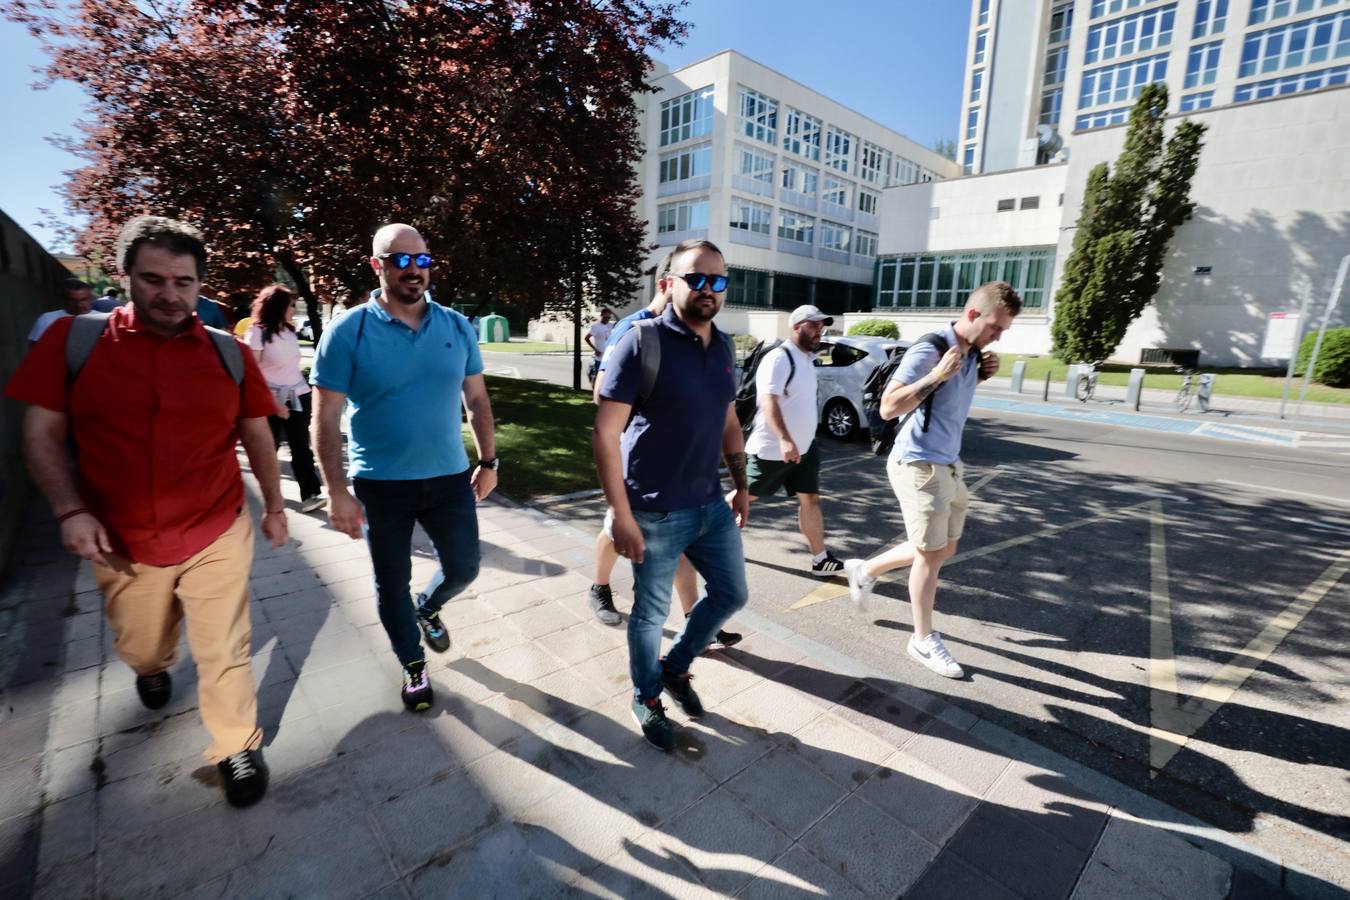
(881, 431)
(747, 401)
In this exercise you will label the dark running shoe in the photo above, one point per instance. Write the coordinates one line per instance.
(828, 567)
(602, 604)
(437, 637)
(729, 638)
(651, 718)
(679, 685)
(416, 686)
(154, 690)
(245, 777)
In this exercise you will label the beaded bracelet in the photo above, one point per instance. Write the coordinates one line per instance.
(81, 511)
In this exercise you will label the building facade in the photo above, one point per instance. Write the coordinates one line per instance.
(786, 181)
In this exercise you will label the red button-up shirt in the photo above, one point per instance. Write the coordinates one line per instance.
(155, 423)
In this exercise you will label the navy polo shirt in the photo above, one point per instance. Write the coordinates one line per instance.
(673, 445)
(403, 388)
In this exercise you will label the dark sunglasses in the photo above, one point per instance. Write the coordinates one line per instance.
(401, 260)
(697, 281)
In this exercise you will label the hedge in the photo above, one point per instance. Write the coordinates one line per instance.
(1333, 360)
(882, 328)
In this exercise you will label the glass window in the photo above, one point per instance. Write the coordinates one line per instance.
(968, 159)
(976, 85)
(1103, 118)
(945, 282)
(754, 164)
(1295, 44)
(1122, 81)
(1107, 7)
(972, 123)
(840, 193)
(906, 171)
(1051, 103)
(1202, 65)
(801, 134)
(865, 244)
(984, 12)
(748, 287)
(1290, 84)
(1056, 62)
(834, 236)
(796, 227)
(1148, 30)
(1269, 10)
(686, 164)
(839, 148)
(1211, 17)
(869, 202)
(1061, 23)
(1200, 100)
(870, 163)
(759, 116)
(685, 215)
(981, 47)
(687, 116)
(749, 216)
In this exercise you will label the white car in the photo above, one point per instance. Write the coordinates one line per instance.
(842, 367)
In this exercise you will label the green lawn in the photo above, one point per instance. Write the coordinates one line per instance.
(543, 438)
(1228, 382)
(525, 347)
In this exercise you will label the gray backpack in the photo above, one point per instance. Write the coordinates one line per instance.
(87, 329)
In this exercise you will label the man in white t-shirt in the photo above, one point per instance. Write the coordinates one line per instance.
(781, 449)
(79, 300)
(596, 337)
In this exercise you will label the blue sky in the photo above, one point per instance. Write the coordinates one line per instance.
(897, 61)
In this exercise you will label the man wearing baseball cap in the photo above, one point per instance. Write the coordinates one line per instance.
(781, 449)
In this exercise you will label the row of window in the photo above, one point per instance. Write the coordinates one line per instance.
(1291, 84)
(1269, 10)
(1199, 100)
(1299, 43)
(945, 282)
(1121, 82)
(756, 218)
(1132, 34)
(1107, 7)
(1103, 117)
(1202, 65)
(687, 116)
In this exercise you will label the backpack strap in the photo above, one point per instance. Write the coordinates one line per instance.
(80, 340)
(792, 367)
(230, 353)
(649, 353)
(940, 342)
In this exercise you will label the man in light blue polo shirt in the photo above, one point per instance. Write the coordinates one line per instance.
(925, 466)
(402, 363)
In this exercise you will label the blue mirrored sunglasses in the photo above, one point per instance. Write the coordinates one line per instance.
(402, 260)
(697, 280)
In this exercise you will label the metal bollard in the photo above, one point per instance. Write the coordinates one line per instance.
(1018, 373)
(1204, 390)
(1071, 380)
(1045, 392)
(1135, 389)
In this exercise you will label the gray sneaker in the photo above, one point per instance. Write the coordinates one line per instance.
(602, 604)
(932, 653)
(859, 585)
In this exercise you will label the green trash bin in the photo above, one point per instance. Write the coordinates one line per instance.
(493, 329)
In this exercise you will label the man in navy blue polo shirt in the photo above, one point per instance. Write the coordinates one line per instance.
(660, 475)
(402, 362)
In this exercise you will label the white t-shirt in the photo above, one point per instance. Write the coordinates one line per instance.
(44, 322)
(280, 360)
(797, 401)
(599, 334)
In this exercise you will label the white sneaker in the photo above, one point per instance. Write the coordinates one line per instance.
(313, 503)
(859, 585)
(932, 653)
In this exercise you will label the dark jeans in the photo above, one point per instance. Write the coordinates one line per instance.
(295, 429)
(446, 510)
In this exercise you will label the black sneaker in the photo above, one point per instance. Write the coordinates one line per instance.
(245, 777)
(828, 567)
(154, 690)
(437, 637)
(602, 604)
(651, 718)
(729, 638)
(416, 686)
(679, 686)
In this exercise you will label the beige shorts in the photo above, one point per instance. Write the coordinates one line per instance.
(933, 499)
(608, 528)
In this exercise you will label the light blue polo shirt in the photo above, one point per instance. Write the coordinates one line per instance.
(941, 443)
(403, 388)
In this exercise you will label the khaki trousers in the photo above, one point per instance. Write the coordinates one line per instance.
(146, 606)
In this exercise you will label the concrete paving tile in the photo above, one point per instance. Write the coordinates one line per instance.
(821, 684)
(527, 708)
(66, 772)
(357, 724)
(497, 863)
(303, 808)
(282, 703)
(1101, 883)
(652, 786)
(470, 731)
(809, 794)
(82, 654)
(717, 680)
(327, 651)
(69, 881)
(949, 877)
(455, 677)
(19, 837)
(399, 762)
(68, 832)
(575, 829)
(1159, 860)
(881, 715)
(546, 618)
(145, 800)
(797, 875)
(875, 853)
(1033, 863)
(1052, 803)
(351, 682)
(392, 891)
(957, 755)
(179, 739)
(351, 866)
(296, 748)
(722, 839)
(37, 698)
(643, 870)
(557, 585)
(719, 746)
(929, 803)
(522, 664)
(467, 610)
(23, 739)
(262, 589)
(772, 707)
(347, 570)
(569, 688)
(762, 655)
(604, 734)
(420, 824)
(84, 625)
(526, 772)
(844, 753)
(486, 638)
(607, 673)
(168, 858)
(588, 640)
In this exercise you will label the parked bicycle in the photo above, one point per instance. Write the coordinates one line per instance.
(1190, 382)
(1087, 382)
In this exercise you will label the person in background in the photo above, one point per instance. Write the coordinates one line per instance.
(275, 345)
(111, 299)
(79, 300)
(210, 313)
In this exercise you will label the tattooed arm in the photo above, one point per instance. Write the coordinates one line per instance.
(899, 399)
(733, 450)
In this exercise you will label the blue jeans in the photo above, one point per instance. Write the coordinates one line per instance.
(709, 537)
(446, 509)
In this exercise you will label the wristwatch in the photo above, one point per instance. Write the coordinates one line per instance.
(492, 464)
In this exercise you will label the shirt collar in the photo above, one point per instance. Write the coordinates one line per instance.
(377, 308)
(124, 319)
(674, 323)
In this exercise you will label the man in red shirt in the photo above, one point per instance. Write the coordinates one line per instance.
(157, 501)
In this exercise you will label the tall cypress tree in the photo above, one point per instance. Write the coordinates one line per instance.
(1127, 220)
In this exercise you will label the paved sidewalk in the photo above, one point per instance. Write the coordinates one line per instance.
(528, 778)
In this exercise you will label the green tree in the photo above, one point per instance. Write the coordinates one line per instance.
(945, 147)
(1127, 220)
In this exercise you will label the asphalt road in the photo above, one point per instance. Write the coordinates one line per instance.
(1168, 610)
